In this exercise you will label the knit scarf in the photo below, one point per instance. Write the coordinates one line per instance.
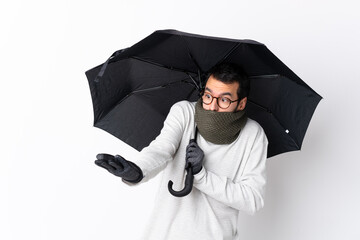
(219, 127)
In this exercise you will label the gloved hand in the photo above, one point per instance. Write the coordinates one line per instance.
(195, 156)
(120, 167)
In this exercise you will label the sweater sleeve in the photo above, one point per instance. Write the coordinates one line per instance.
(153, 158)
(246, 192)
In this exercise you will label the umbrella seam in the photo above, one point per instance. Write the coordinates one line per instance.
(231, 51)
(152, 89)
(277, 120)
(160, 65)
(189, 53)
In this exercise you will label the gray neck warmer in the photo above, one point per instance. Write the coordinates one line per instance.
(219, 127)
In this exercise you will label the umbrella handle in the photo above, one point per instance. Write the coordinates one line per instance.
(188, 184)
(189, 180)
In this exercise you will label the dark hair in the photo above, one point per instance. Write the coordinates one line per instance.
(230, 73)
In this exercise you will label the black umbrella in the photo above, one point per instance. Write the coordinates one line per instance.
(132, 92)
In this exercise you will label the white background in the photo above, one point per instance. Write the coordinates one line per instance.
(50, 187)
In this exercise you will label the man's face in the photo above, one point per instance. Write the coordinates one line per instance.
(219, 89)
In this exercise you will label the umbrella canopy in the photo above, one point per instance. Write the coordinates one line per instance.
(133, 91)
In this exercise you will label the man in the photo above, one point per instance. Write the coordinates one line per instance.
(228, 161)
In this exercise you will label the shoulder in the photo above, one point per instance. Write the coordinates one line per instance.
(254, 128)
(184, 107)
(184, 104)
(253, 125)
(182, 111)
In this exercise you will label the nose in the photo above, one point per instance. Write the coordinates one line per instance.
(214, 106)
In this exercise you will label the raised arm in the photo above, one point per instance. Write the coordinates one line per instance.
(153, 159)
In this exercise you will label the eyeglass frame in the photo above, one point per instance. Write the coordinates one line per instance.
(217, 100)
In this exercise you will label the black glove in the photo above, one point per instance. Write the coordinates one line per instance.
(120, 167)
(195, 156)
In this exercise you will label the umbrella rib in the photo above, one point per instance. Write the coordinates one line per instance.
(153, 89)
(270, 112)
(171, 68)
(160, 65)
(231, 51)
(260, 106)
(197, 86)
(189, 53)
(163, 86)
(265, 76)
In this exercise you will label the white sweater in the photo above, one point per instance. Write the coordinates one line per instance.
(232, 179)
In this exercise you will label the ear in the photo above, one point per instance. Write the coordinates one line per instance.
(242, 104)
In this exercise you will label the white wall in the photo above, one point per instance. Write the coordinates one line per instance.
(50, 187)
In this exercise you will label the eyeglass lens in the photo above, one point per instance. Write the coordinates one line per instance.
(222, 102)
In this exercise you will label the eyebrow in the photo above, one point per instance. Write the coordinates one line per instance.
(225, 93)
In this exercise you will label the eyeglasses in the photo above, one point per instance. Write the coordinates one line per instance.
(224, 102)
